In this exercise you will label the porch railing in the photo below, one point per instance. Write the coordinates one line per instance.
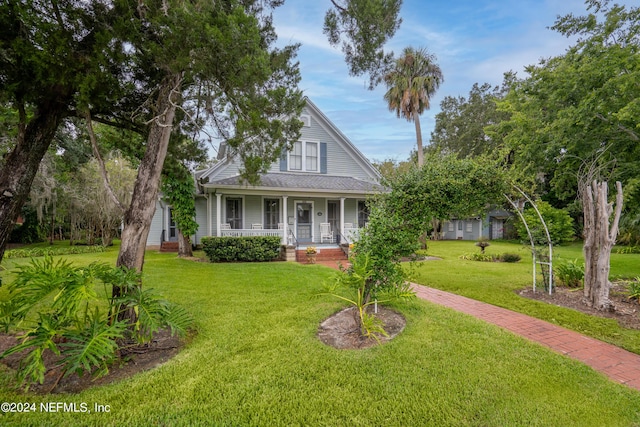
(251, 232)
(352, 234)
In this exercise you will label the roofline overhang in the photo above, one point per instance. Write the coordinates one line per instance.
(227, 189)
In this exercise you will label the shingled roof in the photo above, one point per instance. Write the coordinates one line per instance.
(304, 182)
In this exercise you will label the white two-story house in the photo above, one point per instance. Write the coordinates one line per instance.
(316, 193)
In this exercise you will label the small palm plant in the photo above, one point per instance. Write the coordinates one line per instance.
(363, 292)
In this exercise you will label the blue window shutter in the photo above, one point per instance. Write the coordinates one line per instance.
(323, 157)
(283, 161)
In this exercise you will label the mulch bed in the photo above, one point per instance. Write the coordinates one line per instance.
(133, 360)
(626, 311)
(341, 330)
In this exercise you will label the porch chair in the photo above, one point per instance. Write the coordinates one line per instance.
(325, 232)
(256, 226)
(225, 226)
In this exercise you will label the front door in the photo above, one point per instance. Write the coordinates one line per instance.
(497, 228)
(460, 230)
(304, 222)
(173, 231)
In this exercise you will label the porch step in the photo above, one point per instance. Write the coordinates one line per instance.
(169, 247)
(324, 254)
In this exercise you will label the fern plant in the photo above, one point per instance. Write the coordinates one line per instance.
(69, 322)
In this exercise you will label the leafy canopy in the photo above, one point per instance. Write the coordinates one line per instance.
(362, 27)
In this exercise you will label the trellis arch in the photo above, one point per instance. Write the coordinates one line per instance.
(519, 207)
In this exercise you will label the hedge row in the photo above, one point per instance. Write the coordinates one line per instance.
(37, 252)
(506, 257)
(245, 249)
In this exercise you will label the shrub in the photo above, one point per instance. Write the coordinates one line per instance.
(243, 249)
(38, 252)
(634, 289)
(569, 273)
(628, 250)
(508, 257)
(558, 221)
(59, 308)
(478, 257)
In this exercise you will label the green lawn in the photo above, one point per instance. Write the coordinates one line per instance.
(256, 361)
(498, 283)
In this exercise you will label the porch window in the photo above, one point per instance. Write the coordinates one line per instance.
(363, 213)
(469, 226)
(234, 212)
(271, 214)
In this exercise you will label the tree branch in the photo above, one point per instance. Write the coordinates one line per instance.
(340, 8)
(103, 169)
(613, 233)
(625, 129)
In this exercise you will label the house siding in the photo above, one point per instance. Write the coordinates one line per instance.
(201, 219)
(155, 231)
(342, 158)
(340, 164)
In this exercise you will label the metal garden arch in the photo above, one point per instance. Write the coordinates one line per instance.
(519, 207)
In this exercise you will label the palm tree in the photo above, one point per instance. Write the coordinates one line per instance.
(411, 83)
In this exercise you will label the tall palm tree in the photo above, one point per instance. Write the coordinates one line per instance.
(411, 83)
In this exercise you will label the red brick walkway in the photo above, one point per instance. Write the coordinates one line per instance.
(618, 364)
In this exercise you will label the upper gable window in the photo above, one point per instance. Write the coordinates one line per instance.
(306, 120)
(295, 157)
(304, 156)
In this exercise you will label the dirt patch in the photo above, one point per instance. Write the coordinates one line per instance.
(626, 311)
(135, 359)
(341, 330)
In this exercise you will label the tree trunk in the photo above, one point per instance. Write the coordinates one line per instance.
(416, 121)
(599, 238)
(137, 219)
(21, 165)
(184, 245)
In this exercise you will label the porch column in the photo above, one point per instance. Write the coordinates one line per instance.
(342, 216)
(285, 222)
(218, 212)
(209, 221)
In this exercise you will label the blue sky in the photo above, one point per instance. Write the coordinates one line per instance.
(473, 40)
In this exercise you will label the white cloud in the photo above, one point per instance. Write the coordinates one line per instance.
(474, 41)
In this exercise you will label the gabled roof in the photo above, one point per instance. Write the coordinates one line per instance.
(211, 174)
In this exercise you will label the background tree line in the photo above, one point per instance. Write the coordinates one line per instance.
(567, 114)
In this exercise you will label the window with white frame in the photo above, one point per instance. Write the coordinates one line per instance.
(304, 156)
(271, 214)
(450, 225)
(295, 157)
(469, 226)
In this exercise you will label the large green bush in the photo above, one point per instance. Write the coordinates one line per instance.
(558, 221)
(244, 249)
